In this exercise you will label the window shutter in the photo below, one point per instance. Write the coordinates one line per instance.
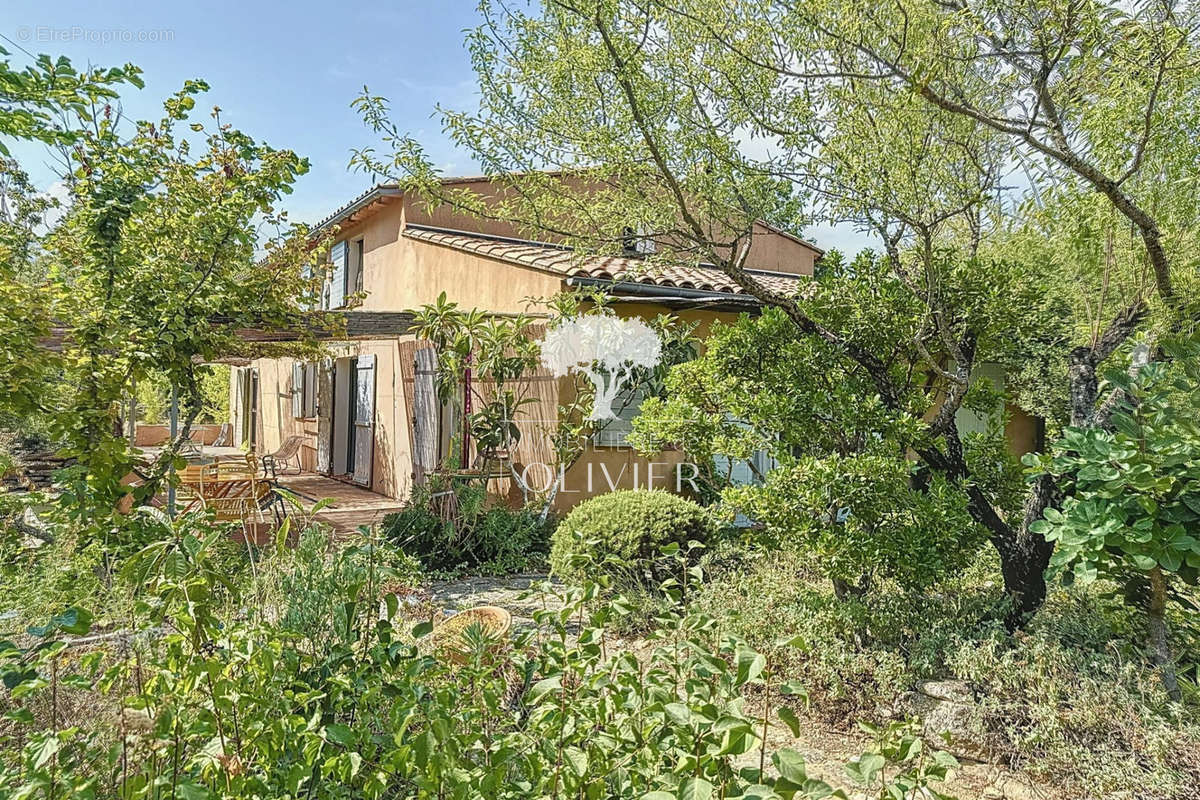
(297, 389)
(339, 256)
(310, 390)
(615, 433)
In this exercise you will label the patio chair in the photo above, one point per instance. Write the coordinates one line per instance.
(224, 435)
(244, 510)
(190, 449)
(245, 495)
(286, 457)
(195, 483)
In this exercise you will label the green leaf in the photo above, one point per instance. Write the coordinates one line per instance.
(1126, 424)
(339, 734)
(74, 620)
(45, 750)
(577, 760)
(789, 717)
(750, 664)
(1143, 562)
(193, 791)
(695, 789)
(544, 687)
(678, 713)
(790, 765)
(864, 768)
(422, 629)
(1171, 560)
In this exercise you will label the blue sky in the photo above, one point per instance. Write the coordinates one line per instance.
(284, 73)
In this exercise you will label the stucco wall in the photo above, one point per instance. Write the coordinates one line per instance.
(151, 435)
(401, 273)
(276, 422)
(390, 468)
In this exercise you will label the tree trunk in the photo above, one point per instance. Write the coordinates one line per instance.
(1156, 633)
(1024, 555)
(1023, 566)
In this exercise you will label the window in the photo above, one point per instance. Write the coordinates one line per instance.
(304, 390)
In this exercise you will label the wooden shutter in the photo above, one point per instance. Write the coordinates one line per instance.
(364, 419)
(325, 416)
(240, 410)
(339, 256)
(426, 415)
(297, 389)
(309, 405)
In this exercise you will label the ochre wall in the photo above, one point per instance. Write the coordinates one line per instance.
(772, 250)
(276, 422)
(390, 467)
(152, 434)
(1023, 431)
(401, 274)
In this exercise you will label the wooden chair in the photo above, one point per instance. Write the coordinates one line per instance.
(196, 482)
(287, 456)
(191, 449)
(244, 494)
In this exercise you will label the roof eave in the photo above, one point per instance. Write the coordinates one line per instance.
(363, 201)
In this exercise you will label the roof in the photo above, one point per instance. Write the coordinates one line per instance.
(366, 201)
(378, 195)
(630, 272)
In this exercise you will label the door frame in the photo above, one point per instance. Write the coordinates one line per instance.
(345, 430)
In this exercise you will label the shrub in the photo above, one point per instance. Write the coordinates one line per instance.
(861, 520)
(1067, 701)
(462, 529)
(333, 700)
(623, 533)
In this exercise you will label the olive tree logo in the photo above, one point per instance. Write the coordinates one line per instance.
(606, 349)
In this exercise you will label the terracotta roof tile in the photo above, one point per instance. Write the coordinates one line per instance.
(566, 262)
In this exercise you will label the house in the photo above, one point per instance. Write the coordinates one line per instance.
(358, 410)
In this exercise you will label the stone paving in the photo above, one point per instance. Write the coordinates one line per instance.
(482, 590)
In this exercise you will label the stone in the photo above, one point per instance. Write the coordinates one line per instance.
(948, 715)
(951, 691)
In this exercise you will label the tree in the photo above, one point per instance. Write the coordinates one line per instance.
(843, 488)
(1136, 502)
(604, 347)
(693, 119)
(170, 242)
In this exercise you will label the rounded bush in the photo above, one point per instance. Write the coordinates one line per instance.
(622, 534)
